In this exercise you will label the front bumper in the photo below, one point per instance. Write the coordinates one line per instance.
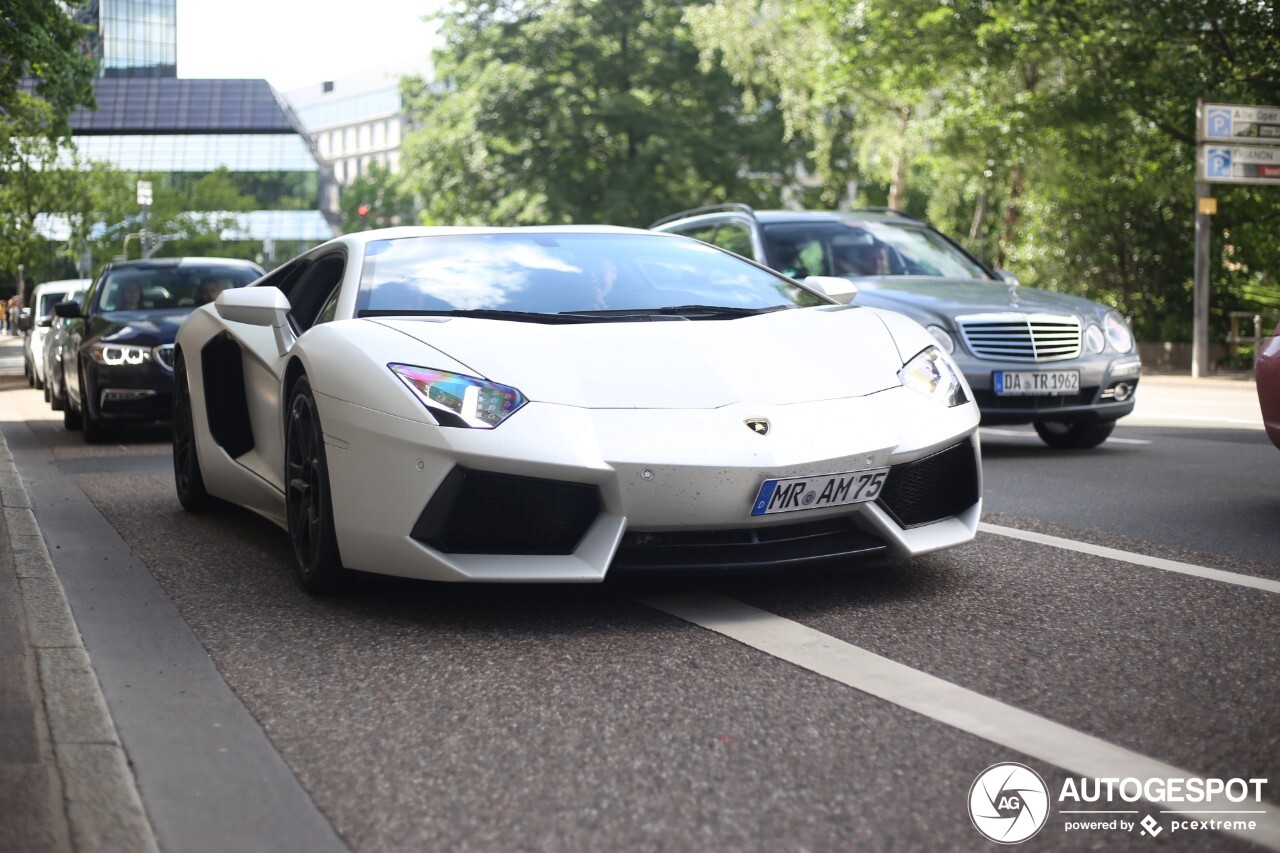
(672, 488)
(127, 393)
(1100, 379)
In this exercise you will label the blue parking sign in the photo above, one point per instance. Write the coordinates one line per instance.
(1217, 123)
(1217, 162)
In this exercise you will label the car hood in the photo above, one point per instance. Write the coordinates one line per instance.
(779, 358)
(145, 328)
(944, 298)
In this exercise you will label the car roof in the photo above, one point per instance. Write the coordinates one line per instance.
(771, 217)
(63, 284)
(403, 231)
(161, 263)
(774, 217)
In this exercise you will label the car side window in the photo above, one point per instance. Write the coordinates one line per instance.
(329, 309)
(734, 236)
(705, 232)
(313, 290)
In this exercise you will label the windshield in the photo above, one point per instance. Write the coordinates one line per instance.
(153, 288)
(548, 273)
(853, 249)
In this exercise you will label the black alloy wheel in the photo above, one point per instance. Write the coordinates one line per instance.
(1078, 436)
(187, 477)
(308, 505)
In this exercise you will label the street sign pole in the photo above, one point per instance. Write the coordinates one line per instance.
(1235, 144)
(1200, 296)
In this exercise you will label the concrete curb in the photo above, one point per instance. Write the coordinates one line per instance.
(103, 808)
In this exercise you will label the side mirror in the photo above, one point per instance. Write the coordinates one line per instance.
(842, 290)
(1008, 277)
(69, 310)
(258, 306)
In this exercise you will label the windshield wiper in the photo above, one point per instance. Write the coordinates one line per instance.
(484, 314)
(687, 312)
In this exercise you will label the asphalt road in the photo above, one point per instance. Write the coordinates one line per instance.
(847, 708)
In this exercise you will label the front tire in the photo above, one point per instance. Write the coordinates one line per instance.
(57, 396)
(187, 477)
(94, 431)
(308, 504)
(1078, 436)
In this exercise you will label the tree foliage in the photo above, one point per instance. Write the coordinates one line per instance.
(385, 196)
(1053, 136)
(578, 111)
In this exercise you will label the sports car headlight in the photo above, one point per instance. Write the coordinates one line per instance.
(932, 375)
(1094, 342)
(460, 401)
(1118, 334)
(114, 355)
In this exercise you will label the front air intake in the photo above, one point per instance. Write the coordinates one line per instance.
(478, 512)
(932, 488)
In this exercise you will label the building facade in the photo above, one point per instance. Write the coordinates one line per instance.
(355, 121)
(150, 122)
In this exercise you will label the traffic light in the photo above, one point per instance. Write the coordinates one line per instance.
(363, 212)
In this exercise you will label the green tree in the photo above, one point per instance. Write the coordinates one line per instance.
(578, 111)
(42, 44)
(383, 193)
(44, 75)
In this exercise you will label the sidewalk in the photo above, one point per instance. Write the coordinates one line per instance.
(65, 783)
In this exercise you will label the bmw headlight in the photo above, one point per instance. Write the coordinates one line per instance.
(1118, 334)
(115, 355)
(1094, 342)
(933, 376)
(460, 401)
(944, 339)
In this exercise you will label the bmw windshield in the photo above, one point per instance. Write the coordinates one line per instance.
(161, 288)
(856, 248)
(527, 275)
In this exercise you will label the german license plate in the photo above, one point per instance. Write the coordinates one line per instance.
(792, 494)
(1014, 383)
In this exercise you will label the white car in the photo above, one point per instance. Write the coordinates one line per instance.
(43, 298)
(553, 403)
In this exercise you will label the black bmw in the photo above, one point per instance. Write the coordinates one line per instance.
(118, 360)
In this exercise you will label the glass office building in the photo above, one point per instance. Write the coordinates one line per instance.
(150, 122)
(135, 38)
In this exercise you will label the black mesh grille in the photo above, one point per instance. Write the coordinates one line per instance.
(933, 488)
(744, 548)
(476, 512)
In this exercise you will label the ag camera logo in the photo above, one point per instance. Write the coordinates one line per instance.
(1008, 803)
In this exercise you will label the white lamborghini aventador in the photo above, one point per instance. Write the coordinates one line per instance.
(548, 404)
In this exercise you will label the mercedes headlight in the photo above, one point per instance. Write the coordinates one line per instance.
(944, 339)
(460, 401)
(1118, 333)
(114, 355)
(933, 376)
(1094, 342)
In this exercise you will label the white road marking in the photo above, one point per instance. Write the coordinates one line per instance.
(1263, 584)
(1022, 434)
(1053, 743)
